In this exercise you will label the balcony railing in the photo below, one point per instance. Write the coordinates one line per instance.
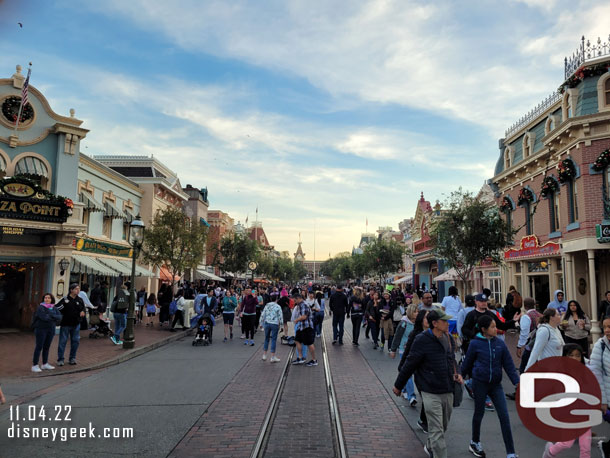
(534, 113)
(585, 52)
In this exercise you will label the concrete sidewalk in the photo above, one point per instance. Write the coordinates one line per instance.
(16, 350)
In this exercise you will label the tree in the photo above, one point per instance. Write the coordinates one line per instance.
(234, 252)
(174, 241)
(468, 232)
(383, 257)
(299, 271)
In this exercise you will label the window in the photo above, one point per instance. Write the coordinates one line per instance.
(529, 218)
(607, 92)
(496, 290)
(573, 201)
(567, 109)
(125, 230)
(603, 92)
(86, 213)
(507, 158)
(554, 211)
(107, 227)
(526, 146)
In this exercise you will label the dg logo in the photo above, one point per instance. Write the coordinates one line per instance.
(558, 399)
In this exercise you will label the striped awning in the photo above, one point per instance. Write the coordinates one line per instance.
(116, 265)
(140, 271)
(32, 166)
(90, 203)
(209, 275)
(90, 264)
(129, 215)
(2, 164)
(112, 211)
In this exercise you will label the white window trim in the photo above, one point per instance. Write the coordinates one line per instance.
(529, 138)
(572, 94)
(510, 151)
(601, 93)
(547, 125)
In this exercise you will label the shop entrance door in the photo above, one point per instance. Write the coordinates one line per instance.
(540, 289)
(21, 288)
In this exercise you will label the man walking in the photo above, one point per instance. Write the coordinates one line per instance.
(305, 334)
(72, 309)
(119, 307)
(338, 307)
(432, 360)
(426, 302)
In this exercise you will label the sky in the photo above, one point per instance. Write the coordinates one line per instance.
(321, 114)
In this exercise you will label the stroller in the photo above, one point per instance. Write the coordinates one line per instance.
(100, 327)
(204, 331)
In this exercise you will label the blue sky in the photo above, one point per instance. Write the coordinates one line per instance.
(321, 113)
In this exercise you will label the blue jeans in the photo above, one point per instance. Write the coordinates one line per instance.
(496, 393)
(44, 337)
(338, 322)
(410, 389)
(120, 323)
(271, 331)
(64, 332)
(318, 319)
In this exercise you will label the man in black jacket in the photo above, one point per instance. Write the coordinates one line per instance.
(72, 309)
(432, 360)
(481, 308)
(338, 307)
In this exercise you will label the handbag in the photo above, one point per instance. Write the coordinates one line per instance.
(397, 316)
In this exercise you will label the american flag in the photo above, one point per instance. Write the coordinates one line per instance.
(24, 91)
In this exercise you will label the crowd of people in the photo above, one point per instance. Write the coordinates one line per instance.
(442, 346)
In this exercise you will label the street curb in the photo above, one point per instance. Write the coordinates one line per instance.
(124, 357)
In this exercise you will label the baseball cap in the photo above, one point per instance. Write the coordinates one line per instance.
(438, 314)
(481, 297)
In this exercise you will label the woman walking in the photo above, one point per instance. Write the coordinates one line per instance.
(452, 306)
(600, 366)
(576, 326)
(548, 338)
(284, 303)
(248, 310)
(151, 309)
(403, 331)
(179, 315)
(386, 308)
(45, 319)
(165, 298)
(373, 317)
(318, 317)
(272, 320)
(229, 304)
(486, 357)
(355, 308)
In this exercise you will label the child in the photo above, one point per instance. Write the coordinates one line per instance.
(203, 328)
(486, 357)
(403, 330)
(571, 350)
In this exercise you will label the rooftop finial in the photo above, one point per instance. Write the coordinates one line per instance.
(72, 112)
(18, 68)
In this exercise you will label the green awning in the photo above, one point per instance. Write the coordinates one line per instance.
(31, 165)
(113, 212)
(90, 203)
(90, 264)
(129, 215)
(140, 271)
(116, 265)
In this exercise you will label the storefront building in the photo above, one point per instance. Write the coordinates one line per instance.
(39, 210)
(552, 181)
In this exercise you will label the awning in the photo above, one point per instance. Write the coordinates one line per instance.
(450, 275)
(89, 264)
(140, 271)
(2, 164)
(90, 203)
(210, 276)
(116, 265)
(112, 211)
(204, 222)
(129, 215)
(165, 274)
(402, 280)
(31, 165)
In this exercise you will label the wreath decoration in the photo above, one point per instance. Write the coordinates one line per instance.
(506, 205)
(549, 185)
(566, 170)
(602, 161)
(525, 195)
(10, 110)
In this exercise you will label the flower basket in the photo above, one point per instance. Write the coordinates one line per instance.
(566, 170)
(525, 195)
(549, 186)
(602, 161)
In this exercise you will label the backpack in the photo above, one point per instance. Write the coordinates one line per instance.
(173, 307)
(517, 300)
(531, 339)
(534, 317)
(121, 303)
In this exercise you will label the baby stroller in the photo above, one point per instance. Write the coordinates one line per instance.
(204, 331)
(100, 327)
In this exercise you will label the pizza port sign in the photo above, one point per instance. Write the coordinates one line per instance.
(21, 198)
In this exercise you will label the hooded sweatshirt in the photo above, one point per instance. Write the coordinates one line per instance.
(560, 306)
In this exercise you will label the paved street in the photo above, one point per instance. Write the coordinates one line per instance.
(187, 401)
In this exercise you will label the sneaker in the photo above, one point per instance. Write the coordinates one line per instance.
(302, 361)
(245, 342)
(242, 336)
(413, 402)
(381, 346)
(296, 361)
(334, 342)
(251, 343)
(73, 361)
(225, 339)
(264, 358)
(513, 455)
(36, 368)
(113, 339)
(275, 359)
(311, 363)
(423, 426)
(476, 449)
(60, 363)
(428, 452)
(47, 366)
(489, 406)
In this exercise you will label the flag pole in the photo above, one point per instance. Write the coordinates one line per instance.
(314, 250)
(24, 89)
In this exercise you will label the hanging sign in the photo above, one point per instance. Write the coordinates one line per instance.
(95, 246)
(530, 248)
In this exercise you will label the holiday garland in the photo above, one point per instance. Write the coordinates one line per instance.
(506, 205)
(525, 195)
(602, 161)
(581, 74)
(10, 110)
(549, 185)
(39, 193)
(566, 170)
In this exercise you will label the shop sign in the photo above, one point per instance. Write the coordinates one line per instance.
(95, 246)
(21, 198)
(8, 230)
(603, 232)
(530, 247)
(18, 190)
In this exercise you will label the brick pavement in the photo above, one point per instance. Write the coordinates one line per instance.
(302, 426)
(231, 425)
(16, 351)
(373, 426)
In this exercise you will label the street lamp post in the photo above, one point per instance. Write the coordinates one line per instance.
(136, 236)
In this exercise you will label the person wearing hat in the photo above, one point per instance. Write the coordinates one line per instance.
(432, 360)
(482, 308)
(72, 309)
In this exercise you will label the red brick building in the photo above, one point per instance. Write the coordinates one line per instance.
(221, 224)
(552, 181)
